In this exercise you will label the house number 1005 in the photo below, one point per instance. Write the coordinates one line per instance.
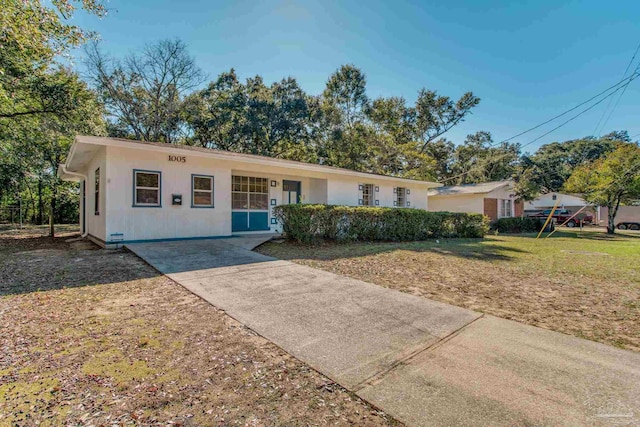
(180, 159)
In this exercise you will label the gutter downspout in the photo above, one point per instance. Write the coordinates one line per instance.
(85, 178)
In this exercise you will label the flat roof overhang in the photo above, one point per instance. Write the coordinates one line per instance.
(85, 147)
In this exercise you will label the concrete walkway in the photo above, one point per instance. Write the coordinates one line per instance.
(423, 362)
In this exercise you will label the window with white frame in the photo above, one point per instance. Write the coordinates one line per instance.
(249, 193)
(96, 201)
(201, 191)
(367, 195)
(146, 188)
(401, 197)
(506, 208)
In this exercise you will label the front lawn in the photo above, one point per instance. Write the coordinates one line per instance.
(95, 337)
(585, 284)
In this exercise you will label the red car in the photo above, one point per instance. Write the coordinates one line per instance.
(562, 215)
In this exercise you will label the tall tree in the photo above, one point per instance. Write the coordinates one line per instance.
(217, 114)
(609, 180)
(435, 115)
(34, 146)
(442, 151)
(251, 118)
(548, 169)
(344, 106)
(32, 35)
(276, 117)
(478, 159)
(144, 93)
(391, 145)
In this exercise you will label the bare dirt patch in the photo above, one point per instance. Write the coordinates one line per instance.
(538, 282)
(94, 337)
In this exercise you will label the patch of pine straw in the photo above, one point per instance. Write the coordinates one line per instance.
(94, 337)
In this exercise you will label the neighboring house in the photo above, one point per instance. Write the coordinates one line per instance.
(548, 201)
(139, 191)
(572, 202)
(495, 199)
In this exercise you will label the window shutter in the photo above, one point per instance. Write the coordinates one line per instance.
(360, 194)
(395, 190)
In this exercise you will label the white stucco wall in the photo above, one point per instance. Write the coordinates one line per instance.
(167, 221)
(469, 203)
(345, 191)
(118, 215)
(96, 224)
(318, 191)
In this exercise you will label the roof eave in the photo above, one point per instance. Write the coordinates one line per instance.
(82, 139)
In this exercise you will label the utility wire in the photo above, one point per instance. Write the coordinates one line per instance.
(617, 102)
(630, 78)
(595, 131)
(624, 81)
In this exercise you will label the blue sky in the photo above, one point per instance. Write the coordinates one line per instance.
(526, 60)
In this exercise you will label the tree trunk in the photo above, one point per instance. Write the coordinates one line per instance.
(32, 202)
(613, 211)
(53, 206)
(52, 228)
(40, 202)
(611, 226)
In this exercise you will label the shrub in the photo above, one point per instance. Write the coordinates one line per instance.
(517, 225)
(308, 223)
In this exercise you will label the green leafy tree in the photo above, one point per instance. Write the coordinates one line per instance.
(435, 114)
(217, 114)
(344, 121)
(392, 150)
(341, 127)
(33, 147)
(478, 159)
(33, 34)
(275, 124)
(442, 151)
(610, 180)
(251, 118)
(548, 169)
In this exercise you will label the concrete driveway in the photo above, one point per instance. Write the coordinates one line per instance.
(423, 362)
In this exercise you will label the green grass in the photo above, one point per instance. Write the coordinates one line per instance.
(583, 283)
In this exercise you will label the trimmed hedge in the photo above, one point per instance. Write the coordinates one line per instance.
(309, 223)
(518, 225)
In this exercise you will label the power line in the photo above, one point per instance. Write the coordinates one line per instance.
(624, 81)
(595, 131)
(617, 102)
(630, 78)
